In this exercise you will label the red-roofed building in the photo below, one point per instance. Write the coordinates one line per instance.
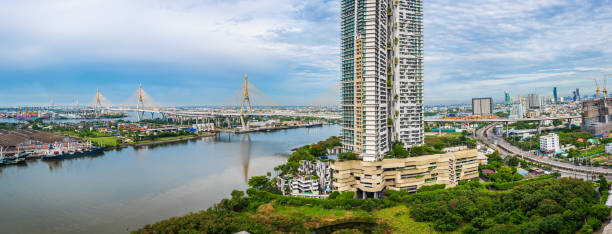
(488, 171)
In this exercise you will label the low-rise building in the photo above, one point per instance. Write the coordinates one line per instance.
(264, 124)
(314, 178)
(499, 130)
(609, 148)
(549, 143)
(371, 179)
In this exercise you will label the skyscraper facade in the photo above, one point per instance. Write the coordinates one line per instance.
(507, 98)
(556, 98)
(482, 106)
(382, 75)
(533, 101)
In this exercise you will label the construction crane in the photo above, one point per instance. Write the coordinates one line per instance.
(605, 84)
(596, 85)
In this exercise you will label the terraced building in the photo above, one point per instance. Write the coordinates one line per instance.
(371, 179)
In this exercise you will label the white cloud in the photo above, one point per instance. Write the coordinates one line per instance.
(480, 46)
(483, 47)
(249, 35)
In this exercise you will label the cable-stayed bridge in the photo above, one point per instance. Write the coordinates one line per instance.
(239, 106)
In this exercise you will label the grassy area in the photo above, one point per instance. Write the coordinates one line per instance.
(165, 139)
(104, 141)
(448, 140)
(317, 211)
(399, 219)
(592, 151)
(430, 139)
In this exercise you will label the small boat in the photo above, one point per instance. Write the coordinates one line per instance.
(15, 159)
(12, 160)
(23, 155)
(73, 153)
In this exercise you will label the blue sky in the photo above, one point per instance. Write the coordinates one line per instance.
(195, 52)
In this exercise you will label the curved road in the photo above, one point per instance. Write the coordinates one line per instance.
(498, 143)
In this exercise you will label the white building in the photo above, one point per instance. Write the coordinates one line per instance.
(313, 178)
(382, 75)
(609, 148)
(304, 185)
(549, 143)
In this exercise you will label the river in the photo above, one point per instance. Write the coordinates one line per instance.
(125, 189)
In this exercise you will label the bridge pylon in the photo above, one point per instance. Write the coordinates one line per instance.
(98, 105)
(245, 108)
(140, 106)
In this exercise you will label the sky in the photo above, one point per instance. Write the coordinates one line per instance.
(196, 52)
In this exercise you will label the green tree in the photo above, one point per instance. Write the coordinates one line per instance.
(333, 195)
(513, 161)
(258, 182)
(599, 211)
(586, 229)
(603, 183)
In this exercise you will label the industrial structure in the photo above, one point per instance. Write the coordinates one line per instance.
(596, 113)
(482, 106)
(382, 75)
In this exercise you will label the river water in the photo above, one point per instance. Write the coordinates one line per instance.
(125, 189)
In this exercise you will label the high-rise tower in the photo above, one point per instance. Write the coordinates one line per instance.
(507, 98)
(556, 98)
(382, 75)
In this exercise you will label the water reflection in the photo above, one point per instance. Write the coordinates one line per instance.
(19, 165)
(245, 153)
(128, 188)
(55, 164)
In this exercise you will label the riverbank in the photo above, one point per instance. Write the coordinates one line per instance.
(272, 129)
(172, 140)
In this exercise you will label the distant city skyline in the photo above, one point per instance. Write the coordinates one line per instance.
(196, 53)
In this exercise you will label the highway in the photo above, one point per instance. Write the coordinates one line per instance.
(498, 120)
(566, 169)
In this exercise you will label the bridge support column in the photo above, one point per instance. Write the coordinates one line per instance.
(539, 127)
(507, 131)
(473, 132)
